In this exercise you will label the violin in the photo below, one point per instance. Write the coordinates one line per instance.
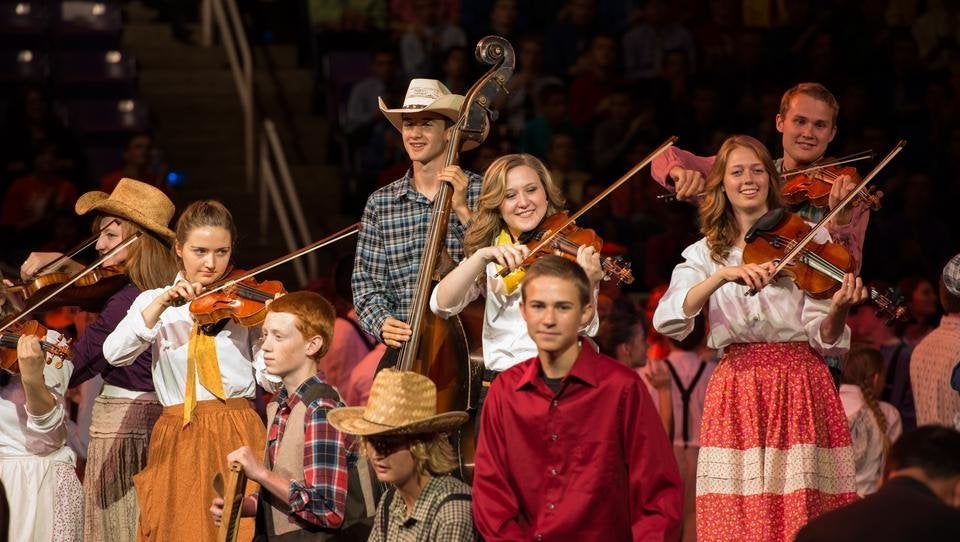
(815, 186)
(814, 182)
(816, 268)
(89, 292)
(547, 239)
(243, 301)
(56, 351)
(569, 240)
(59, 288)
(820, 267)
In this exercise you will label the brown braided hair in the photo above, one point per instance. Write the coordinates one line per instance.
(862, 367)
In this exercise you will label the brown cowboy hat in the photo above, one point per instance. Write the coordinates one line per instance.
(401, 403)
(136, 201)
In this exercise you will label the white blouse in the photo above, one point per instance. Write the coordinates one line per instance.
(505, 338)
(23, 434)
(168, 340)
(780, 312)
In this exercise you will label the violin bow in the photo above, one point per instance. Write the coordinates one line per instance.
(805, 240)
(856, 157)
(69, 282)
(328, 240)
(548, 238)
(850, 158)
(79, 248)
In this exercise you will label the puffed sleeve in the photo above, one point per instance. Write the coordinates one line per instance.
(669, 318)
(467, 296)
(51, 423)
(132, 336)
(814, 312)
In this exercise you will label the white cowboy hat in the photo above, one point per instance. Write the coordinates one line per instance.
(425, 95)
(401, 403)
(135, 201)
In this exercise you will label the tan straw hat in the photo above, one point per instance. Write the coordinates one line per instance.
(425, 95)
(401, 403)
(136, 201)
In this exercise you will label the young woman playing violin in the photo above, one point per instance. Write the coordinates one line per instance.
(126, 409)
(44, 500)
(204, 379)
(775, 448)
(516, 195)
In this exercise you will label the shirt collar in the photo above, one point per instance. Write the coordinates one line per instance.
(406, 186)
(398, 508)
(284, 398)
(584, 368)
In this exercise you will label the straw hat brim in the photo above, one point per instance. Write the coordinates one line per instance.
(350, 420)
(100, 201)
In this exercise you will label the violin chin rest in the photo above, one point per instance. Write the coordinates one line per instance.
(766, 222)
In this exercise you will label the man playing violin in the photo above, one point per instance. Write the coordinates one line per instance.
(395, 221)
(808, 122)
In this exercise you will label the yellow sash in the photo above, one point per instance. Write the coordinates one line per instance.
(202, 355)
(513, 280)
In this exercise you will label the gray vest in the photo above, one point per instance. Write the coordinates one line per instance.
(273, 521)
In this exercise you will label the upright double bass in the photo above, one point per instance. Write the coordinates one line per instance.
(438, 348)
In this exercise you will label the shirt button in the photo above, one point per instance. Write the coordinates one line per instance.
(554, 436)
(555, 403)
(551, 506)
(539, 536)
(553, 472)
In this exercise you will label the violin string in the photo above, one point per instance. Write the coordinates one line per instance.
(253, 293)
(837, 274)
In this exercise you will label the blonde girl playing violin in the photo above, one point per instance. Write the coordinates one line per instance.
(516, 195)
(204, 379)
(775, 448)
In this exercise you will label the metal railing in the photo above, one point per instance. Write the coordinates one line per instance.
(273, 165)
(272, 156)
(235, 44)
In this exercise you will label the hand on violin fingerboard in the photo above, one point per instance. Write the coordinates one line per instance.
(841, 188)
(589, 260)
(852, 292)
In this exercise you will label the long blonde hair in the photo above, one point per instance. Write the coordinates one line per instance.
(487, 222)
(717, 222)
(149, 264)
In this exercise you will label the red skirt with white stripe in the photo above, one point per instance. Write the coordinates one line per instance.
(775, 447)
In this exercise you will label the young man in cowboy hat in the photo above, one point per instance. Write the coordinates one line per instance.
(394, 225)
(304, 476)
(571, 447)
(401, 433)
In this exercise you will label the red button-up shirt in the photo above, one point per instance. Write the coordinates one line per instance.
(591, 462)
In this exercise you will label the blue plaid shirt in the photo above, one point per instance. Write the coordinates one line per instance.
(321, 498)
(393, 233)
